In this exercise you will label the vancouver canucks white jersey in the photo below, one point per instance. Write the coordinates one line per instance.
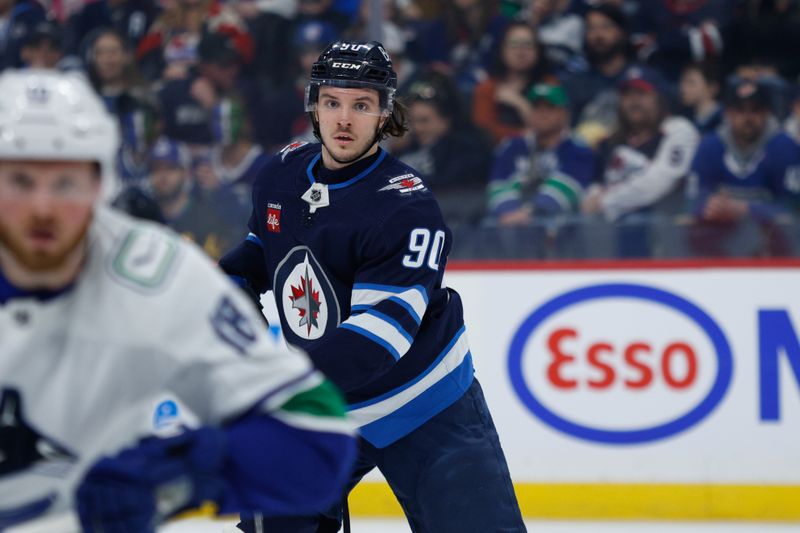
(150, 337)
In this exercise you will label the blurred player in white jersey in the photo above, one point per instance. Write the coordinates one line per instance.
(135, 380)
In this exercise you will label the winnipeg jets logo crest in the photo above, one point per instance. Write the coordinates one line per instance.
(306, 299)
(404, 184)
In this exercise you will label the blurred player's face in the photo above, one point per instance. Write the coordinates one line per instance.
(348, 119)
(45, 210)
(747, 122)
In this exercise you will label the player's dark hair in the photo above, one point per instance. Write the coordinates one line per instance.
(397, 123)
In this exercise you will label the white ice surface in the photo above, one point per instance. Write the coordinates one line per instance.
(398, 526)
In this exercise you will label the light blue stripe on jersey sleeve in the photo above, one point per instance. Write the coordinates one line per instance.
(252, 237)
(412, 299)
(383, 327)
(371, 336)
(426, 405)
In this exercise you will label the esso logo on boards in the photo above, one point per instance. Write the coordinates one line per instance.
(620, 363)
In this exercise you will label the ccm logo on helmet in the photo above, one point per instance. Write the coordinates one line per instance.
(620, 363)
(351, 66)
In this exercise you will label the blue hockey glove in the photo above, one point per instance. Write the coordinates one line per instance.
(142, 486)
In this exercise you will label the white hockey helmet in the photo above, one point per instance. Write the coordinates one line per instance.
(52, 115)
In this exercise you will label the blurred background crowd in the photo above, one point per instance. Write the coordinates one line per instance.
(546, 128)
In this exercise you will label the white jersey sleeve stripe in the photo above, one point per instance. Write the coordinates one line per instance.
(371, 336)
(383, 327)
(413, 299)
(370, 411)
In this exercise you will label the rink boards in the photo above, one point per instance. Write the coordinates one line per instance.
(637, 390)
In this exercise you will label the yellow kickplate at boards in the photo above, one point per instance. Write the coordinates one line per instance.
(621, 501)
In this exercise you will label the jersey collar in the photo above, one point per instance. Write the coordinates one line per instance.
(361, 175)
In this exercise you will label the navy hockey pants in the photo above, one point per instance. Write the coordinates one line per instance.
(449, 475)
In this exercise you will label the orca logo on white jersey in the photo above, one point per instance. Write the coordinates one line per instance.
(22, 447)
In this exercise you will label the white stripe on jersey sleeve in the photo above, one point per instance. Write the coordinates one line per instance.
(449, 361)
(384, 328)
(413, 299)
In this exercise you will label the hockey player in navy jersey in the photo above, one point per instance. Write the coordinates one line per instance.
(353, 246)
(134, 379)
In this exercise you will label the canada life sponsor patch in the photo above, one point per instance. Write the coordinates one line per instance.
(274, 218)
(404, 184)
(620, 363)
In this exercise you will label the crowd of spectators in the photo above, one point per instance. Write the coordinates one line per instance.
(522, 112)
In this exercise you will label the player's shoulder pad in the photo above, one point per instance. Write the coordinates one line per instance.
(400, 179)
(292, 149)
(144, 254)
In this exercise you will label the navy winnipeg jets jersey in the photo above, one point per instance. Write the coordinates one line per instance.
(358, 283)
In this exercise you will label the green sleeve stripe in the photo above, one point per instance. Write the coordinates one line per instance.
(323, 400)
(568, 192)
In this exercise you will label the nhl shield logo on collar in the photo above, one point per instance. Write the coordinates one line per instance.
(274, 218)
(316, 196)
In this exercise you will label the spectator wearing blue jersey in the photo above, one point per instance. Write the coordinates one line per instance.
(20, 17)
(207, 217)
(733, 174)
(738, 172)
(188, 105)
(115, 76)
(543, 172)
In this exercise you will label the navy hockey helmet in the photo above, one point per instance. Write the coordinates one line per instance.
(353, 65)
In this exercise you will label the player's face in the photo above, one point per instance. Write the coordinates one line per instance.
(45, 210)
(348, 119)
